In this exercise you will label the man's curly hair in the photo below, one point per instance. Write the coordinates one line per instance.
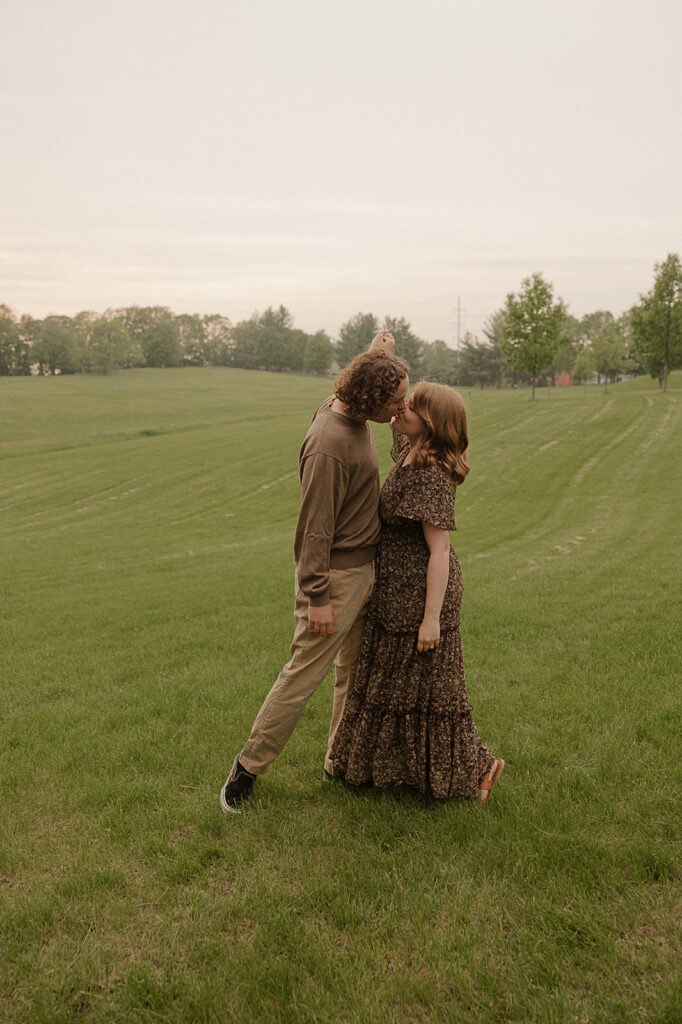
(369, 382)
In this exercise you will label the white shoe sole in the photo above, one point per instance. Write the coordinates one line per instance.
(224, 806)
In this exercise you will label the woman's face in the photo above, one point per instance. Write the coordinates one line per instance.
(410, 422)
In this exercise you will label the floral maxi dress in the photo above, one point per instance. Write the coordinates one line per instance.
(407, 719)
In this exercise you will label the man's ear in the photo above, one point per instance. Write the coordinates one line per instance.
(383, 342)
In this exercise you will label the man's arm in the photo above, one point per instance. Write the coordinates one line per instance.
(324, 481)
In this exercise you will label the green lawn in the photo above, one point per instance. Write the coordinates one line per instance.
(146, 532)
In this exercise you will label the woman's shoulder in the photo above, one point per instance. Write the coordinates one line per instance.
(434, 474)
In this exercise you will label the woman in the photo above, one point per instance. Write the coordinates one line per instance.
(407, 719)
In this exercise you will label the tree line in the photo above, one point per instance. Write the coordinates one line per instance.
(532, 340)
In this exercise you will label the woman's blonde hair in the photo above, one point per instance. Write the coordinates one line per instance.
(447, 440)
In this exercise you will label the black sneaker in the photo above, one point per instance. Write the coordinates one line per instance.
(237, 788)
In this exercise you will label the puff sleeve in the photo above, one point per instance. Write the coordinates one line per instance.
(429, 496)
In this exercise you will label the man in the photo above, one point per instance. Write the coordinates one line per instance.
(335, 543)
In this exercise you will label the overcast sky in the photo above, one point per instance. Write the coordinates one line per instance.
(385, 156)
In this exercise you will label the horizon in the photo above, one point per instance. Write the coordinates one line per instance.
(386, 158)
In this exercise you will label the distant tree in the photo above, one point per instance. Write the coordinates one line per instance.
(493, 328)
(244, 338)
(279, 318)
(564, 359)
(318, 353)
(590, 325)
(161, 344)
(478, 363)
(82, 326)
(493, 331)
(532, 327)
(657, 320)
(578, 336)
(109, 345)
(192, 339)
(295, 341)
(355, 336)
(267, 340)
(57, 347)
(217, 340)
(271, 350)
(204, 340)
(570, 346)
(9, 342)
(141, 323)
(407, 345)
(609, 352)
(439, 362)
(29, 332)
(635, 364)
(584, 365)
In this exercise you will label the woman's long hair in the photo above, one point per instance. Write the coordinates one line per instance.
(447, 440)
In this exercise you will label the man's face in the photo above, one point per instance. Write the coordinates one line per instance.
(395, 405)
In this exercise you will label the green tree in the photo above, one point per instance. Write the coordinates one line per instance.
(492, 329)
(268, 340)
(657, 320)
(141, 323)
(609, 352)
(407, 345)
(244, 338)
(57, 346)
(584, 365)
(355, 336)
(109, 345)
(192, 339)
(9, 342)
(589, 325)
(217, 340)
(439, 362)
(271, 349)
(318, 353)
(532, 327)
(478, 363)
(29, 332)
(295, 341)
(161, 344)
(570, 346)
(279, 318)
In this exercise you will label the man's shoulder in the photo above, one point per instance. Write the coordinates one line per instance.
(330, 433)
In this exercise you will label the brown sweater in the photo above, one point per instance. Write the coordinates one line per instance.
(338, 525)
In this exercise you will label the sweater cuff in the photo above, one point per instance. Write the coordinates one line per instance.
(317, 600)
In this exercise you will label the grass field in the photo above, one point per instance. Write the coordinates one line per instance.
(146, 531)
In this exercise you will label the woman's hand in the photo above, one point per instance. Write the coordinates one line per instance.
(429, 634)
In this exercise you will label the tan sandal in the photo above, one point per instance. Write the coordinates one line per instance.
(485, 787)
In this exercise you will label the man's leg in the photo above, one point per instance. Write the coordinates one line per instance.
(311, 658)
(345, 666)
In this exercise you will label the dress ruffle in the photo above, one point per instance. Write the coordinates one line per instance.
(419, 733)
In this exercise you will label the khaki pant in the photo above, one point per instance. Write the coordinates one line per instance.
(311, 658)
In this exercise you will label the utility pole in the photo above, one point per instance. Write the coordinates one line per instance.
(459, 319)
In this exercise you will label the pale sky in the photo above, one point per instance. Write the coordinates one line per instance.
(384, 156)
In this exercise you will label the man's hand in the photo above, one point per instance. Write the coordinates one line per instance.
(321, 620)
